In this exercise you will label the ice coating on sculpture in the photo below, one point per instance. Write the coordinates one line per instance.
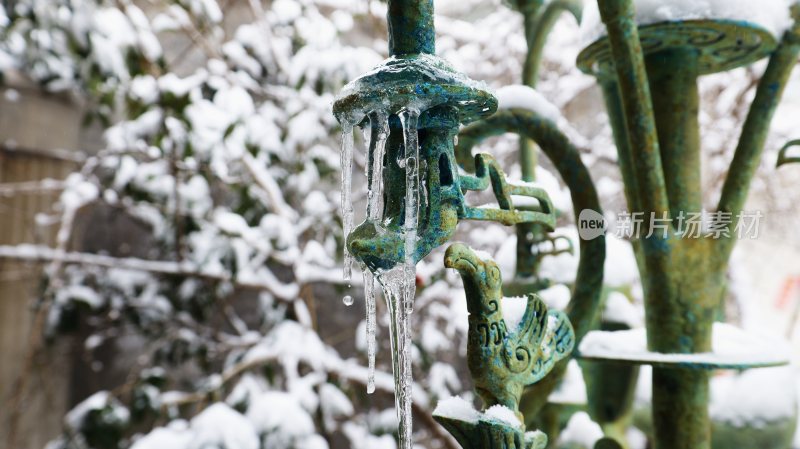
(394, 283)
(379, 127)
(413, 195)
(347, 200)
(409, 119)
(398, 283)
(369, 300)
(374, 211)
(379, 132)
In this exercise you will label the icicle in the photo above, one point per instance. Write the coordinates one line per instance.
(369, 299)
(347, 200)
(399, 283)
(409, 118)
(394, 286)
(379, 123)
(379, 126)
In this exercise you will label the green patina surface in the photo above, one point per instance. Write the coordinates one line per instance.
(566, 160)
(415, 79)
(504, 361)
(649, 79)
(411, 27)
(783, 154)
(565, 157)
(490, 433)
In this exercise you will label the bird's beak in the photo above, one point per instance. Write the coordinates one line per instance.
(461, 258)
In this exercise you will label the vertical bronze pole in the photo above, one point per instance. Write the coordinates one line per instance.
(411, 27)
(678, 291)
(681, 320)
(673, 86)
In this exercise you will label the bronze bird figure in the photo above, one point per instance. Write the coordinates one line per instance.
(504, 361)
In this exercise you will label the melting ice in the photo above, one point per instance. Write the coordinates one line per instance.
(399, 283)
(409, 119)
(347, 199)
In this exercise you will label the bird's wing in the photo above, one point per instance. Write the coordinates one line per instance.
(521, 346)
(542, 338)
(556, 343)
(532, 327)
(559, 338)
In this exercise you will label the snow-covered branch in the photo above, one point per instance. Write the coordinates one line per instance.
(43, 186)
(45, 254)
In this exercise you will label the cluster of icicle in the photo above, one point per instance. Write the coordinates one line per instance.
(398, 283)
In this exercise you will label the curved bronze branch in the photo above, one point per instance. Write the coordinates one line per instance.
(783, 153)
(539, 20)
(626, 48)
(537, 27)
(756, 127)
(565, 157)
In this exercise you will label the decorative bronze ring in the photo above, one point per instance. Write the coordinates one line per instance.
(722, 45)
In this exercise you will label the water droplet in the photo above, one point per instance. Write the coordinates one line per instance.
(347, 300)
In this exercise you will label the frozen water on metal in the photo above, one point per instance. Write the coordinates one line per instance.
(369, 299)
(379, 131)
(394, 285)
(399, 283)
(379, 123)
(347, 200)
(409, 119)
